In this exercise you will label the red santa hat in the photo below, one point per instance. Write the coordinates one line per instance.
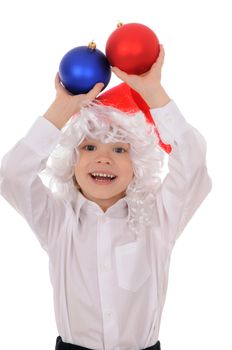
(128, 100)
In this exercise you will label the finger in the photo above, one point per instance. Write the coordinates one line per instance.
(57, 80)
(162, 49)
(94, 91)
(160, 58)
(58, 85)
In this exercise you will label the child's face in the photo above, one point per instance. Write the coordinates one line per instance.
(97, 159)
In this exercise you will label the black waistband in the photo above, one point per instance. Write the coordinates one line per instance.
(60, 345)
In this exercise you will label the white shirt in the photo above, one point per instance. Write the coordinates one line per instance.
(109, 286)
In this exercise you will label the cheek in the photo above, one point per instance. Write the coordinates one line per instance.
(128, 170)
(78, 171)
(81, 164)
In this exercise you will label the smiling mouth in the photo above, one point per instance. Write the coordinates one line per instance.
(102, 178)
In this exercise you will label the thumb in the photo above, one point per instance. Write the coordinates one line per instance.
(94, 91)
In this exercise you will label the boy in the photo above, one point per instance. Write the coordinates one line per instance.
(110, 229)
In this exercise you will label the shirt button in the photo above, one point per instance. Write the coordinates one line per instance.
(107, 266)
(109, 314)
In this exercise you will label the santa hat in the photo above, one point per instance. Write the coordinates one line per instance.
(128, 100)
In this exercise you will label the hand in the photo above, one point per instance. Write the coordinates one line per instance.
(148, 85)
(66, 104)
(75, 102)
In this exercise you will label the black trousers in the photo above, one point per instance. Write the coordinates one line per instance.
(60, 345)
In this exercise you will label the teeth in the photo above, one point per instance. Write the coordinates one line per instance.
(103, 175)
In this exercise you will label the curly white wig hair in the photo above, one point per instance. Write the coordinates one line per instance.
(110, 125)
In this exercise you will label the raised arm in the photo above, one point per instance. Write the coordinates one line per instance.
(188, 182)
(20, 183)
(22, 187)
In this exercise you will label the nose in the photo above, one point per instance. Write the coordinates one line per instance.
(103, 158)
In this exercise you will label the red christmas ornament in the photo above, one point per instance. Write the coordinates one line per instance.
(133, 48)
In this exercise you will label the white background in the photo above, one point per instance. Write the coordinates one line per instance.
(34, 36)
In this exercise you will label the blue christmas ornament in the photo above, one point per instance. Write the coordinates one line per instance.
(82, 67)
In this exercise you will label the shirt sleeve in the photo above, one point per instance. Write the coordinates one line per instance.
(187, 183)
(22, 187)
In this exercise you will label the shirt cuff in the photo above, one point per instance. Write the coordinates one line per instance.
(43, 137)
(170, 122)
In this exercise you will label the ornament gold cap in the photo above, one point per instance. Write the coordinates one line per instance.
(119, 24)
(92, 45)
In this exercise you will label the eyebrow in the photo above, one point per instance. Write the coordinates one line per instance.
(122, 144)
(87, 141)
(116, 144)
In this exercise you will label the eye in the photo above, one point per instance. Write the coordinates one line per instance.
(119, 150)
(89, 147)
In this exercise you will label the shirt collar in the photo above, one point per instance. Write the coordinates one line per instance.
(117, 210)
